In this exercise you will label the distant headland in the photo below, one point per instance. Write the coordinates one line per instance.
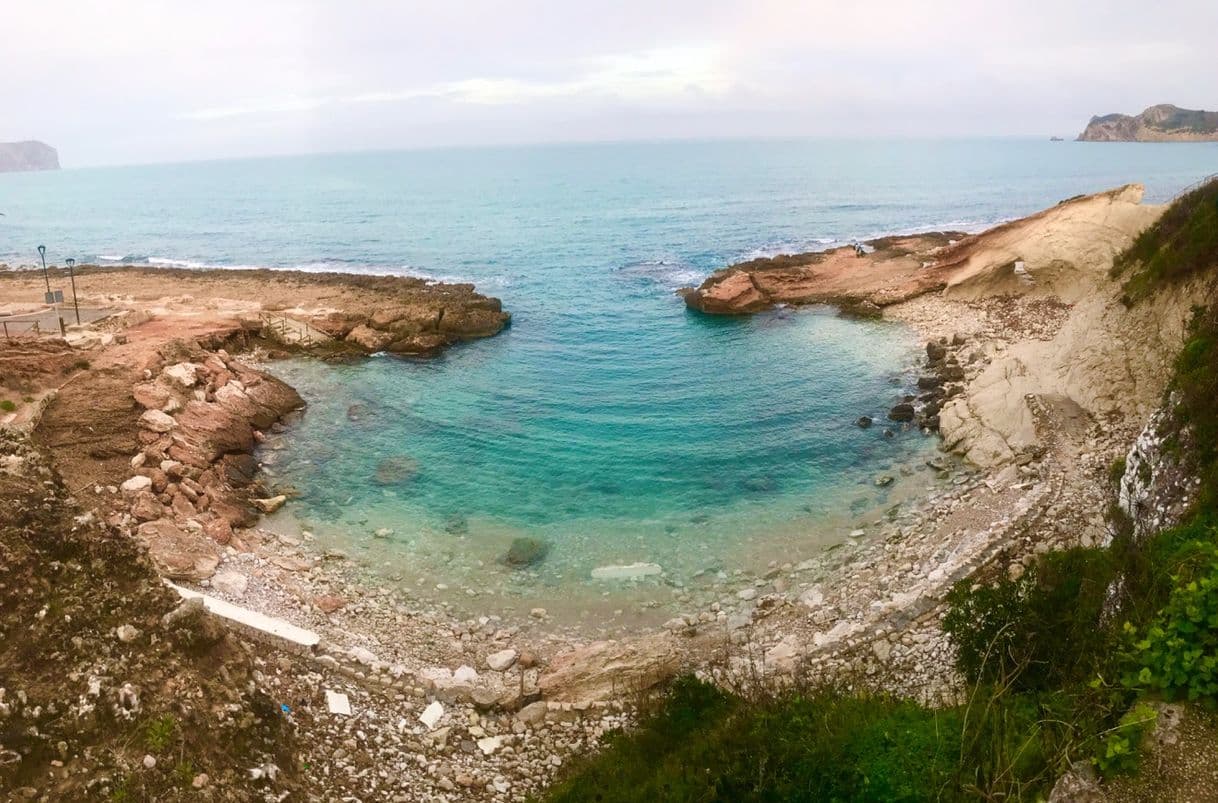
(1162, 123)
(28, 155)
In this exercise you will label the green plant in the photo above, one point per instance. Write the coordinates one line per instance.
(159, 733)
(1037, 632)
(1181, 243)
(7, 406)
(1116, 471)
(1178, 653)
(1117, 753)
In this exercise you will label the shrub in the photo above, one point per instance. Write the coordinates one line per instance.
(159, 733)
(1181, 243)
(1118, 751)
(1177, 655)
(1038, 632)
(7, 405)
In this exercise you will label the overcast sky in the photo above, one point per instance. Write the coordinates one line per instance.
(163, 80)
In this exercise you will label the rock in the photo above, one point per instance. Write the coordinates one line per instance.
(152, 395)
(149, 762)
(338, 703)
(270, 505)
(864, 421)
(177, 554)
(1078, 785)
(533, 713)
(603, 670)
(218, 530)
(432, 714)
(357, 412)
(157, 421)
(747, 594)
(146, 507)
(136, 484)
(501, 661)
(369, 339)
(490, 744)
(935, 351)
(184, 374)
(930, 382)
(884, 480)
(328, 603)
(200, 781)
(138, 460)
(525, 551)
(783, 656)
(232, 583)
(902, 412)
(395, 471)
(126, 633)
(628, 571)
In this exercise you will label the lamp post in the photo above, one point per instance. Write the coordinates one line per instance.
(42, 252)
(71, 262)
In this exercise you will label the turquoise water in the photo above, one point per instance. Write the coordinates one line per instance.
(607, 420)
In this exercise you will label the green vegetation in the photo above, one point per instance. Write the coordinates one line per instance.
(1181, 244)
(1061, 661)
(7, 405)
(159, 733)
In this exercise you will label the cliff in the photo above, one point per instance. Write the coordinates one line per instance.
(30, 155)
(1162, 123)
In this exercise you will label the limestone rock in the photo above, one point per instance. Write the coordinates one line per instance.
(606, 670)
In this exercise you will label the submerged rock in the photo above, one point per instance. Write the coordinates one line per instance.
(902, 412)
(628, 572)
(525, 551)
(395, 471)
(864, 421)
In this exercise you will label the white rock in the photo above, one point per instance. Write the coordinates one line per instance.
(490, 744)
(136, 484)
(138, 460)
(184, 373)
(338, 703)
(157, 421)
(126, 633)
(230, 582)
(362, 655)
(747, 594)
(465, 674)
(270, 505)
(383, 532)
(149, 762)
(501, 661)
(432, 714)
(626, 572)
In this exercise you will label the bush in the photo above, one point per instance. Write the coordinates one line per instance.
(705, 745)
(1177, 655)
(7, 405)
(1118, 752)
(1036, 633)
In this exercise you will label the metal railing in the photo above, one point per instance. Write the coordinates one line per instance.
(279, 326)
(1196, 185)
(14, 328)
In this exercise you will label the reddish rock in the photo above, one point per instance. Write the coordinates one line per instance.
(183, 508)
(152, 395)
(177, 554)
(218, 530)
(146, 507)
(328, 603)
(368, 338)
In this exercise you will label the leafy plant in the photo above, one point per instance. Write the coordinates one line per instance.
(159, 733)
(1118, 751)
(1178, 653)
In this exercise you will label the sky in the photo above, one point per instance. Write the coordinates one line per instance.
(134, 81)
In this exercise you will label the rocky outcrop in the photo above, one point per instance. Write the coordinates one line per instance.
(858, 280)
(606, 670)
(1162, 123)
(28, 155)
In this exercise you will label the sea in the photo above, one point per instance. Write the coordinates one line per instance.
(609, 424)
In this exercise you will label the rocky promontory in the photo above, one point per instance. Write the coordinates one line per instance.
(1162, 123)
(28, 155)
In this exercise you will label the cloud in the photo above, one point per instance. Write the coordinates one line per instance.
(643, 77)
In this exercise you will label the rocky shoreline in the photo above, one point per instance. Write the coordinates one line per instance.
(489, 709)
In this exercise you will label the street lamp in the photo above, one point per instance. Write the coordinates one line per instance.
(70, 262)
(42, 252)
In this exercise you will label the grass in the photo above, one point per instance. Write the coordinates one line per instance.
(1181, 244)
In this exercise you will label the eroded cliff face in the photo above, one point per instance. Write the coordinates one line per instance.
(28, 155)
(1162, 123)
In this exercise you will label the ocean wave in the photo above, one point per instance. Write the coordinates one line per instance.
(669, 273)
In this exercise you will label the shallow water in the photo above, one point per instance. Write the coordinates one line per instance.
(607, 420)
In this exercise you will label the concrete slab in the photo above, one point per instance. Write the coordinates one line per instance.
(295, 636)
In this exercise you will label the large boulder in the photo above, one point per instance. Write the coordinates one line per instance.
(525, 551)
